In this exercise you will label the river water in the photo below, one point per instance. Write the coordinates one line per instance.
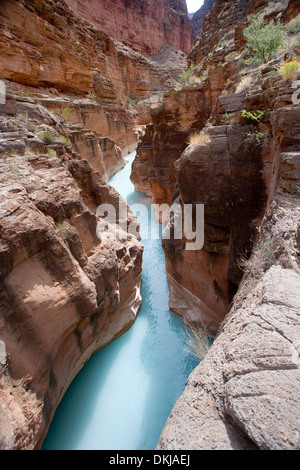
(122, 397)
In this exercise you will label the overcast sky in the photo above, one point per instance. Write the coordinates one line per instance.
(194, 5)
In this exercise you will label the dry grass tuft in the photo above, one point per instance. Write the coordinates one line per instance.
(198, 340)
(244, 84)
(198, 138)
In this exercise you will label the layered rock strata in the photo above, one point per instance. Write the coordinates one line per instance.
(67, 289)
(45, 45)
(228, 166)
(225, 173)
(165, 140)
(143, 26)
(245, 393)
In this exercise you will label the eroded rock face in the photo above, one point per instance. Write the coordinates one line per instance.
(65, 291)
(228, 168)
(244, 394)
(165, 140)
(225, 173)
(143, 26)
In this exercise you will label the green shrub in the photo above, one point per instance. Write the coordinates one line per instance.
(253, 115)
(130, 100)
(32, 127)
(227, 117)
(64, 140)
(257, 136)
(294, 25)
(62, 227)
(47, 137)
(264, 39)
(51, 153)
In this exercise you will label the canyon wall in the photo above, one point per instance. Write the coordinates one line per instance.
(67, 287)
(244, 394)
(228, 167)
(165, 139)
(56, 50)
(200, 15)
(144, 26)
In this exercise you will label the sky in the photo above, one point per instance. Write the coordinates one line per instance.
(194, 5)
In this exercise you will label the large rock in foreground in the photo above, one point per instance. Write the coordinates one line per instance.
(245, 394)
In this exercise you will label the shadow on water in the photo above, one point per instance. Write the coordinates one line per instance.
(81, 400)
(122, 397)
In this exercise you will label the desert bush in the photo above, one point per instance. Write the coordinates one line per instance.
(290, 70)
(227, 117)
(32, 127)
(256, 116)
(130, 100)
(64, 140)
(263, 257)
(47, 137)
(185, 77)
(253, 115)
(244, 84)
(62, 227)
(195, 79)
(264, 39)
(22, 117)
(257, 136)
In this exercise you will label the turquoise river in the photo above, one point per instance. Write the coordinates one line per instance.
(122, 397)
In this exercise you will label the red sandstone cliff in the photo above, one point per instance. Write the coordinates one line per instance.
(55, 49)
(65, 291)
(216, 170)
(145, 26)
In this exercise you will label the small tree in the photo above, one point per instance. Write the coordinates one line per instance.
(264, 39)
(184, 78)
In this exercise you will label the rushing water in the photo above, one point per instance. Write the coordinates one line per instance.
(122, 397)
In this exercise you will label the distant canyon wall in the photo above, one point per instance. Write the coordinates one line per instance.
(87, 63)
(200, 15)
(143, 25)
